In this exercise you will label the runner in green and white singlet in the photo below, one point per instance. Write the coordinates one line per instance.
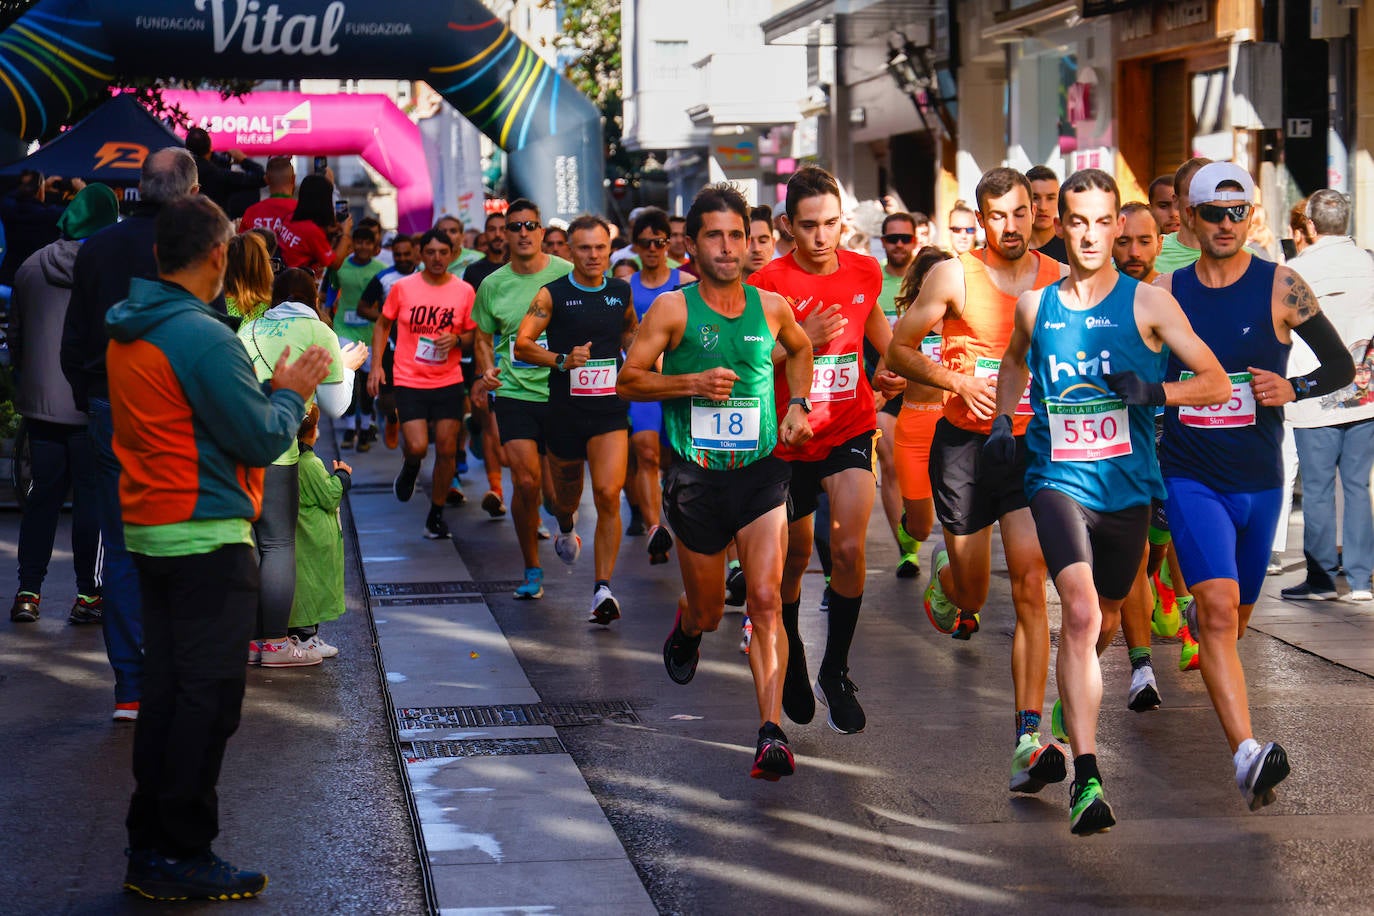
(722, 484)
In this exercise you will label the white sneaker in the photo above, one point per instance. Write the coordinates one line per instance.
(1144, 693)
(568, 547)
(320, 646)
(604, 607)
(1260, 772)
(289, 654)
(1360, 594)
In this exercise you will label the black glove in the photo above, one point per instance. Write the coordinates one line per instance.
(999, 451)
(1134, 390)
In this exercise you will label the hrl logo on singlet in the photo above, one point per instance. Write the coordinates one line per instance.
(1099, 365)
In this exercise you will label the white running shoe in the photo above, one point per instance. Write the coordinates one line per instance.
(1144, 694)
(604, 607)
(568, 547)
(1258, 774)
(289, 654)
(320, 646)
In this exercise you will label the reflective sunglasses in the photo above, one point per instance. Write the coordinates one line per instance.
(529, 225)
(1211, 213)
(652, 243)
(965, 229)
(898, 238)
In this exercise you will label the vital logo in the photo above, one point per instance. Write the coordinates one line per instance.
(116, 155)
(295, 121)
(269, 32)
(1092, 322)
(1098, 365)
(709, 336)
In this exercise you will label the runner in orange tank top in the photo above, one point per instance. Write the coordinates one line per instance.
(975, 297)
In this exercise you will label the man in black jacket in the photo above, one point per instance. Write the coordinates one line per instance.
(234, 191)
(104, 267)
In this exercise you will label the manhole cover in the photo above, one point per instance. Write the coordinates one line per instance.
(483, 747)
(561, 715)
(428, 601)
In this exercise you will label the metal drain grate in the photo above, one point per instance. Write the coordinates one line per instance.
(427, 602)
(483, 747)
(557, 714)
(370, 489)
(395, 589)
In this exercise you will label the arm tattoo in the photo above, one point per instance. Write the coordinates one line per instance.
(1300, 298)
(537, 311)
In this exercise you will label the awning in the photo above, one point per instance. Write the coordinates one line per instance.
(1025, 21)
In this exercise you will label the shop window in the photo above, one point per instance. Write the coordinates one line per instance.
(670, 60)
(1211, 117)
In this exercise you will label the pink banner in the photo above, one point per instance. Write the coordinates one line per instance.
(296, 124)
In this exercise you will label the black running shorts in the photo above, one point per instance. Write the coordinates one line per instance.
(706, 508)
(966, 499)
(430, 404)
(569, 428)
(520, 419)
(805, 492)
(1112, 543)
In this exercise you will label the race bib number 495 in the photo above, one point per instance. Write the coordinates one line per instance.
(1089, 430)
(726, 426)
(986, 367)
(835, 378)
(1238, 411)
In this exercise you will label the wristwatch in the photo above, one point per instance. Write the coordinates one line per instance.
(559, 363)
(803, 403)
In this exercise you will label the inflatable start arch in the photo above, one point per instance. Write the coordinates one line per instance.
(60, 52)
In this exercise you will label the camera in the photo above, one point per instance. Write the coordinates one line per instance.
(340, 210)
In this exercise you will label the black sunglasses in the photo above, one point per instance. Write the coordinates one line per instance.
(529, 225)
(966, 229)
(652, 243)
(898, 238)
(1211, 213)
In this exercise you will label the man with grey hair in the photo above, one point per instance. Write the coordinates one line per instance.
(1336, 431)
(106, 264)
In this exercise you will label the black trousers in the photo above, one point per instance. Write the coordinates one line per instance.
(198, 616)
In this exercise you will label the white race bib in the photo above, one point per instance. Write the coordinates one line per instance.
(543, 341)
(427, 352)
(354, 320)
(987, 368)
(835, 378)
(726, 426)
(1239, 411)
(595, 379)
(1088, 430)
(931, 346)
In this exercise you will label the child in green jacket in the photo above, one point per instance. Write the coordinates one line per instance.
(319, 542)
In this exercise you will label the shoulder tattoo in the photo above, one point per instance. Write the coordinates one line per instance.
(1299, 297)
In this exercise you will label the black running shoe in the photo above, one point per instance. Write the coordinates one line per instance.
(350, 437)
(681, 653)
(773, 758)
(908, 569)
(660, 542)
(824, 607)
(797, 701)
(86, 609)
(838, 694)
(735, 592)
(404, 484)
(436, 529)
(965, 626)
(205, 877)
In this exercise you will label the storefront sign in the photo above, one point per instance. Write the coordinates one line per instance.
(1107, 7)
(1183, 13)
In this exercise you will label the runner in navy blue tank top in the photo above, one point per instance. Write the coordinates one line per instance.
(1222, 466)
(1093, 345)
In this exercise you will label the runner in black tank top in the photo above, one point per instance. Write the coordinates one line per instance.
(588, 321)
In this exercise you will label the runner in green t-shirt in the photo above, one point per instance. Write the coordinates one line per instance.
(350, 280)
(717, 340)
(522, 390)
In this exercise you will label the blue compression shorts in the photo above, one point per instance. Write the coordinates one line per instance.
(1223, 535)
(646, 416)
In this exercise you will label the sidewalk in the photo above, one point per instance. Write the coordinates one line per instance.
(507, 820)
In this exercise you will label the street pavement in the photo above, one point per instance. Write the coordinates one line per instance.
(551, 766)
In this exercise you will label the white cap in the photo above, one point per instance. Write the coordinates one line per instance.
(1203, 188)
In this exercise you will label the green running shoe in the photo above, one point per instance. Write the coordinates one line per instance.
(1089, 812)
(1034, 765)
(943, 613)
(966, 625)
(908, 544)
(1057, 722)
(1187, 655)
(909, 567)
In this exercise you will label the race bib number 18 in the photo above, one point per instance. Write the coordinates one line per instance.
(726, 426)
(1238, 411)
(987, 368)
(1088, 430)
(835, 378)
(595, 379)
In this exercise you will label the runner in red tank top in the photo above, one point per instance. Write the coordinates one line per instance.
(975, 297)
(834, 295)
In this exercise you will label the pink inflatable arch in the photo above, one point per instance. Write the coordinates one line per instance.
(293, 123)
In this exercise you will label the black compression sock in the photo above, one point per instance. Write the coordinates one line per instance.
(791, 621)
(599, 583)
(844, 618)
(1085, 768)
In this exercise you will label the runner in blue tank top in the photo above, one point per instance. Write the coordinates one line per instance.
(1222, 467)
(1094, 347)
(650, 234)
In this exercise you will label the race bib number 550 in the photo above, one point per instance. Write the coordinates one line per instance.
(1089, 430)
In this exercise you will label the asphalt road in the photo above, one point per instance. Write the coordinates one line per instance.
(913, 815)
